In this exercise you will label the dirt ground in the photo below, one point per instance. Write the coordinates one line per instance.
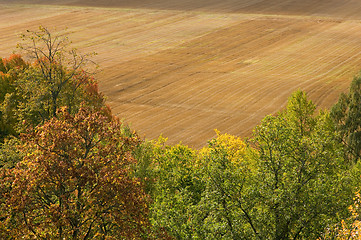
(184, 68)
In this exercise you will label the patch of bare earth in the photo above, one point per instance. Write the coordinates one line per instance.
(224, 65)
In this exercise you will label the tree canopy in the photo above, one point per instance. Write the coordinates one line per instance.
(289, 181)
(69, 169)
(75, 182)
(57, 76)
(347, 115)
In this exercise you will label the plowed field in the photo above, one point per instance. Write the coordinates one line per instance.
(183, 68)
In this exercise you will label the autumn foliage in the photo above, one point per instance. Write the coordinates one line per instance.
(69, 169)
(66, 164)
(53, 76)
(74, 183)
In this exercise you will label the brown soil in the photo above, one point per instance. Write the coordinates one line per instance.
(183, 68)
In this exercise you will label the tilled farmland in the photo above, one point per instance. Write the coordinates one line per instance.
(185, 68)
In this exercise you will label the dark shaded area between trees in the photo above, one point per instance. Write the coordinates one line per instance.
(69, 169)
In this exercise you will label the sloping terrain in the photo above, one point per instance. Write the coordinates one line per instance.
(184, 68)
(335, 8)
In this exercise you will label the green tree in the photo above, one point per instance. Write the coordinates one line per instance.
(176, 191)
(224, 210)
(291, 184)
(10, 69)
(10, 154)
(74, 182)
(187, 192)
(301, 184)
(31, 93)
(57, 78)
(346, 113)
(348, 228)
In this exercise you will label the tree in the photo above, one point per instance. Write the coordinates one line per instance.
(227, 172)
(290, 181)
(31, 92)
(176, 191)
(302, 185)
(58, 75)
(346, 114)
(291, 184)
(348, 228)
(75, 182)
(187, 193)
(10, 69)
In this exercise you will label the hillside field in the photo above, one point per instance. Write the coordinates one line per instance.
(184, 68)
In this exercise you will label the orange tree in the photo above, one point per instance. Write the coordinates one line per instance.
(75, 182)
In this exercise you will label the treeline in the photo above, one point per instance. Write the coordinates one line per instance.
(69, 169)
